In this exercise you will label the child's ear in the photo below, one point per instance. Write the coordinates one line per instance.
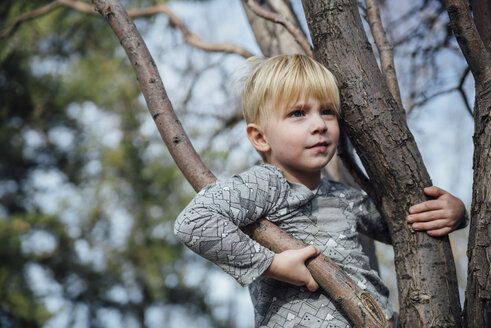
(257, 138)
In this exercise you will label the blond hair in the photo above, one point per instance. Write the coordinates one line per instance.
(275, 84)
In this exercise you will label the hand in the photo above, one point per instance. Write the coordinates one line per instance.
(438, 216)
(289, 266)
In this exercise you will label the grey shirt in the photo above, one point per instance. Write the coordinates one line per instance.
(328, 217)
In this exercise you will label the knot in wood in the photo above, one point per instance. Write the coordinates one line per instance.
(416, 296)
(176, 139)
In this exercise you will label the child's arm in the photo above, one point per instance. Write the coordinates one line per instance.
(289, 266)
(439, 216)
(209, 225)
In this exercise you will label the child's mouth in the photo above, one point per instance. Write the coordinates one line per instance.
(320, 146)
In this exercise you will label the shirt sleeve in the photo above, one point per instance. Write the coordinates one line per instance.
(369, 220)
(210, 224)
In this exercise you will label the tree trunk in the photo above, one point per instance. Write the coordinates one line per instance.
(272, 38)
(474, 37)
(427, 282)
(482, 17)
(353, 300)
(477, 307)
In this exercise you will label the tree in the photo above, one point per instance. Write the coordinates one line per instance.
(332, 33)
(101, 244)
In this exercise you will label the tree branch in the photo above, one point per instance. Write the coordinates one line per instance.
(28, 16)
(469, 40)
(428, 98)
(294, 30)
(158, 103)
(460, 88)
(190, 37)
(384, 48)
(358, 304)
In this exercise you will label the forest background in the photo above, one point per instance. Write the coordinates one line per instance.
(88, 192)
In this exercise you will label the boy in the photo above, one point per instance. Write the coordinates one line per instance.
(291, 104)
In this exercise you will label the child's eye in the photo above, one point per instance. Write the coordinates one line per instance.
(297, 113)
(327, 111)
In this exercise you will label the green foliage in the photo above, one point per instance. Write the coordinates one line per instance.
(109, 218)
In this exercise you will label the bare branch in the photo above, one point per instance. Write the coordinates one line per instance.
(190, 37)
(384, 48)
(469, 39)
(460, 88)
(158, 103)
(428, 98)
(28, 16)
(358, 304)
(280, 19)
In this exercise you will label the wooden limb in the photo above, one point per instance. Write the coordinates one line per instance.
(158, 103)
(482, 16)
(190, 37)
(358, 305)
(384, 48)
(469, 40)
(294, 30)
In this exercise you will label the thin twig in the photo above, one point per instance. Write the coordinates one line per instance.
(190, 37)
(28, 16)
(280, 19)
(385, 50)
(428, 98)
(462, 92)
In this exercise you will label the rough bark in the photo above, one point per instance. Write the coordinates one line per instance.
(273, 39)
(427, 282)
(473, 39)
(356, 303)
(384, 48)
(477, 307)
(482, 17)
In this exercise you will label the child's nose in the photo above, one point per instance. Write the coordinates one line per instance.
(318, 124)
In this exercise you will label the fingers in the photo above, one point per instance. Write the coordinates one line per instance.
(309, 251)
(430, 225)
(429, 205)
(306, 253)
(312, 285)
(434, 191)
(439, 232)
(427, 216)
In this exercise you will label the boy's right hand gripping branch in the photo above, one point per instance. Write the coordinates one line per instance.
(357, 303)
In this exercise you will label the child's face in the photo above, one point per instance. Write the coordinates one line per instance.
(302, 140)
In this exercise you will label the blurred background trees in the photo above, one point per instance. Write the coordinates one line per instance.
(88, 193)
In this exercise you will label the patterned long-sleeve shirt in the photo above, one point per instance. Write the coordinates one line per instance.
(328, 217)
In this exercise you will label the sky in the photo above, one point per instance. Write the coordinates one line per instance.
(442, 129)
